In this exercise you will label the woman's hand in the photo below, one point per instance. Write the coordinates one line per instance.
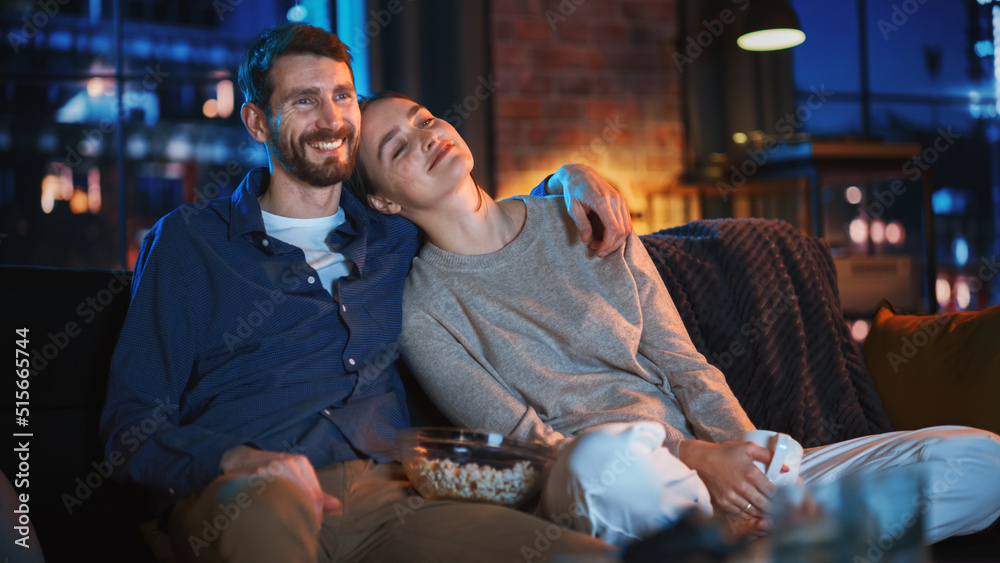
(736, 485)
(739, 527)
(587, 193)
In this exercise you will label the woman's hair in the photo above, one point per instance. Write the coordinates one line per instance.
(360, 183)
(286, 39)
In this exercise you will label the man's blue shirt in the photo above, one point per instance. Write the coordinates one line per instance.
(231, 339)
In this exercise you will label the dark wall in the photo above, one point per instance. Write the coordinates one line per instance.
(437, 52)
(724, 88)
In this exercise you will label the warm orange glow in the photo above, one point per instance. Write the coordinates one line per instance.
(210, 109)
(50, 189)
(79, 203)
(639, 155)
(65, 183)
(57, 185)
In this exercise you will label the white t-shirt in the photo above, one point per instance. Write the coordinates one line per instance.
(310, 235)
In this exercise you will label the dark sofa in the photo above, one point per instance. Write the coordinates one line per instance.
(722, 276)
(73, 319)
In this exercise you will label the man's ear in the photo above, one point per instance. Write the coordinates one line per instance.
(255, 122)
(383, 205)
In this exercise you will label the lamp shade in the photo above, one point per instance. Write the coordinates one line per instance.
(770, 25)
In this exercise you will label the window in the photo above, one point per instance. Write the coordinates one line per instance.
(922, 72)
(165, 120)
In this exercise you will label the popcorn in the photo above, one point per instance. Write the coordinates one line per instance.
(444, 478)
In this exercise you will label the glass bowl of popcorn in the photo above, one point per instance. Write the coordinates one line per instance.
(454, 463)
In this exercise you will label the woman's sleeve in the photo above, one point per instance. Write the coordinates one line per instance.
(463, 385)
(708, 403)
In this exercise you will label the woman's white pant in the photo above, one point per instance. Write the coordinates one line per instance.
(618, 483)
(960, 465)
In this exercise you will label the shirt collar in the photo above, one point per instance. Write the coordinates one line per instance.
(246, 216)
(357, 214)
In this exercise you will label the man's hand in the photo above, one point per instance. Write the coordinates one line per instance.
(732, 479)
(244, 460)
(586, 193)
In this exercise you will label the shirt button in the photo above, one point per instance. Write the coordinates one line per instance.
(326, 411)
(171, 491)
(350, 361)
(310, 279)
(265, 242)
(343, 308)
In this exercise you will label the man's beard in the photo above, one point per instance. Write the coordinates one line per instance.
(292, 155)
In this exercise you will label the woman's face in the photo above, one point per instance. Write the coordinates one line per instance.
(412, 157)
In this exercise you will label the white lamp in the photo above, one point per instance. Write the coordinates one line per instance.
(770, 25)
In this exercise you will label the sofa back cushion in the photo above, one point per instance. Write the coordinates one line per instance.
(937, 369)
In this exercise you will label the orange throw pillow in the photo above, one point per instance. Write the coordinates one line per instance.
(937, 369)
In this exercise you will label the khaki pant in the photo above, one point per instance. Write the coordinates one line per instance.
(383, 519)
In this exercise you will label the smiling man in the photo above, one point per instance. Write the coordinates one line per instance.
(267, 324)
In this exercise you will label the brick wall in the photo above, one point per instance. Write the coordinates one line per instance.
(588, 81)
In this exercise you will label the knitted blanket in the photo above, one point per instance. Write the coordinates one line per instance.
(760, 301)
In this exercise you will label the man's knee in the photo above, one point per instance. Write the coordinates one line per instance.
(261, 501)
(233, 509)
